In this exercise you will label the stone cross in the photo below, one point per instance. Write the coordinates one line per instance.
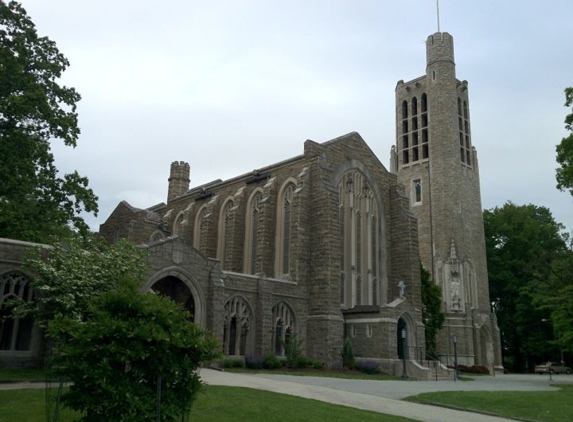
(401, 286)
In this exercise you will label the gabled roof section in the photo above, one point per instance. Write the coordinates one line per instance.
(350, 138)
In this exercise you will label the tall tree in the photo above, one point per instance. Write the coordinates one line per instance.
(556, 296)
(523, 243)
(432, 314)
(35, 203)
(565, 150)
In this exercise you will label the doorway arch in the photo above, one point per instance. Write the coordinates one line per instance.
(402, 339)
(182, 288)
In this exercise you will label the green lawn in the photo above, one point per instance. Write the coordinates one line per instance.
(22, 374)
(226, 403)
(214, 404)
(549, 406)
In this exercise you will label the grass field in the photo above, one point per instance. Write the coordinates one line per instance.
(227, 403)
(214, 404)
(548, 406)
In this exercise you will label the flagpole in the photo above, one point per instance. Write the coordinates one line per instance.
(438, 13)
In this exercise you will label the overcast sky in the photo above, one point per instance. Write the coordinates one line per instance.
(230, 86)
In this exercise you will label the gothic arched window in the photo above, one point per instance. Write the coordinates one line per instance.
(284, 229)
(237, 336)
(360, 243)
(198, 227)
(177, 224)
(225, 231)
(252, 232)
(414, 106)
(15, 333)
(284, 329)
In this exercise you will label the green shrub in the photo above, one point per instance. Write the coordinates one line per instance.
(293, 352)
(272, 362)
(347, 354)
(128, 345)
(231, 363)
(317, 364)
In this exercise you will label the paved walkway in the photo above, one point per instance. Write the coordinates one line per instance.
(375, 396)
(382, 396)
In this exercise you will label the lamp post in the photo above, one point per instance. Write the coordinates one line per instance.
(455, 341)
(404, 373)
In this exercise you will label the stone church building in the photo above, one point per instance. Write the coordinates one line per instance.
(327, 244)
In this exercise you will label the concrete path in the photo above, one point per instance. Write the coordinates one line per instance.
(375, 396)
(381, 396)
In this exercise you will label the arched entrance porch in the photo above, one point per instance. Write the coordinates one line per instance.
(181, 288)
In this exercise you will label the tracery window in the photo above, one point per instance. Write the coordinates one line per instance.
(15, 334)
(225, 230)
(360, 243)
(284, 227)
(284, 328)
(237, 333)
(252, 232)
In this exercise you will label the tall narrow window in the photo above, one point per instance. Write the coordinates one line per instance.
(177, 224)
(374, 258)
(283, 317)
(199, 227)
(424, 103)
(284, 229)
(254, 239)
(237, 336)
(342, 257)
(464, 133)
(252, 232)
(414, 106)
(416, 191)
(286, 239)
(359, 228)
(225, 231)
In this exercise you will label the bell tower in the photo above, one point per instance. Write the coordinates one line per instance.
(436, 162)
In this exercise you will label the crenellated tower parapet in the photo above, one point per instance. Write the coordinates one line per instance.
(178, 179)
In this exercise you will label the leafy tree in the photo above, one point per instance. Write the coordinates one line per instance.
(432, 314)
(556, 297)
(565, 150)
(65, 276)
(35, 203)
(522, 244)
(130, 346)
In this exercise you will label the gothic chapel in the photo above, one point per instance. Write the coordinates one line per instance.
(327, 244)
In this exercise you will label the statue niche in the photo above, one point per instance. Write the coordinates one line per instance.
(454, 285)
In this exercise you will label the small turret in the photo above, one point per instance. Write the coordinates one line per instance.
(440, 48)
(178, 180)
